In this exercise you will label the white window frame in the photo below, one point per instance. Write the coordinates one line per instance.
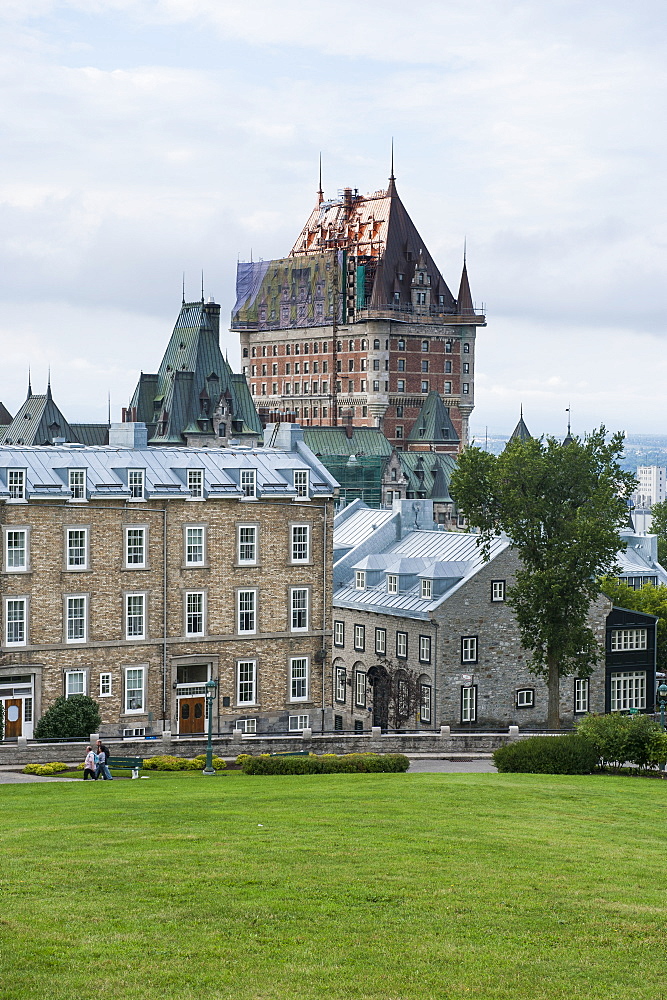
(299, 608)
(339, 634)
(424, 648)
(525, 698)
(136, 482)
(427, 590)
(299, 678)
(392, 583)
(582, 693)
(301, 483)
(300, 543)
(469, 703)
(135, 550)
(623, 639)
(16, 483)
(247, 726)
(246, 543)
(190, 612)
(12, 605)
(248, 483)
(190, 546)
(402, 645)
(497, 591)
(70, 549)
(627, 690)
(76, 482)
(360, 688)
(341, 685)
(133, 617)
(71, 618)
(69, 676)
(425, 698)
(195, 480)
(246, 611)
(12, 552)
(246, 682)
(106, 684)
(469, 651)
(128, 708)
(360, 638)
(381, 641)
(359, 579)
(297, 723)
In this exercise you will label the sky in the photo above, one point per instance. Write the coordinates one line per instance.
(142, 139)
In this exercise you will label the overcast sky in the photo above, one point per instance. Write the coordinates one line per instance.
(144, 138)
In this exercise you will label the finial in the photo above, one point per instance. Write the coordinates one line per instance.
(109, 408)
(29, 385)
(48, 385)
(183, 301)
(465, 247)
(567, 410)
(320, 192)
(522, 411)
(202, 285)
(392, 179)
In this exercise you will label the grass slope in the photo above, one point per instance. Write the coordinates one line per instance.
(353, 886)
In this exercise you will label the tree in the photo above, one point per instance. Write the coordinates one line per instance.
(659, 528)
(70, 717)
(562, 507)
(649, 599)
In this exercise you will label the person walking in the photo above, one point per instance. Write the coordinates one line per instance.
(90, 764)
(103, 755)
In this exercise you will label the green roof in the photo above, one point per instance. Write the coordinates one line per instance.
(433, 423)
(437, 471)
(324, 441)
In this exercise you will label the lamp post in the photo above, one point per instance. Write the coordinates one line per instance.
(211, 689)
(662, 699)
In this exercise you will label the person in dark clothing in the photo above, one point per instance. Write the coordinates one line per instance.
(103, 755)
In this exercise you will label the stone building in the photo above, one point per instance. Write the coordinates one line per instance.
(137, 575)
(357, 325)
(423, 636)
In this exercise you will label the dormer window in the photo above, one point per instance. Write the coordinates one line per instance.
(427, 590)
(135, 481)
(301, 482)
(77, 483)
(421, 277)
(249, 482)
(16, 484)
(360, 579)
(424, 345)
(196, 482)
(392, 583)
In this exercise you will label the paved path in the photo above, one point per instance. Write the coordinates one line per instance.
(15, 778)
(479, 765)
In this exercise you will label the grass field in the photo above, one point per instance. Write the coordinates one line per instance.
(341, 887)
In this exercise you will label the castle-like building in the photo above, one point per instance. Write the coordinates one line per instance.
(357, 325)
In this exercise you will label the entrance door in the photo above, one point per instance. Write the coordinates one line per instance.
(379, 679)
(13, 716)
(191, 715)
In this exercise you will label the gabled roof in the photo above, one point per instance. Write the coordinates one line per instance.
(335, 441)
(436, 469)
(521, 432)
(37, 422)
(433, 425)
(5, 416)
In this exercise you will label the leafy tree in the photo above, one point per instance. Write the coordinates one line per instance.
(659, 528)
(562, 507)
(76, 716)
(652, 600)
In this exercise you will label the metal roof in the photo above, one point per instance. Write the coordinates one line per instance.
(358, 526)
(335, 441)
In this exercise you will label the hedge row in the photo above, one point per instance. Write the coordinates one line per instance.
(625, 739)
(328, 763)
(570, 754)
(165, 762)
(46, 770)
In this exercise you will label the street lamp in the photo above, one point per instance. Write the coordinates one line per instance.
(211, 690)
(662, 699)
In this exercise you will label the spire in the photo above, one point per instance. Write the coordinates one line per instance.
(320, 192)
(48, 385)
(29, 385)
(521, 432)
(109, 409)
(202, 285)
(183, 301)
(464, 300)
(392, 180)
(568, 438)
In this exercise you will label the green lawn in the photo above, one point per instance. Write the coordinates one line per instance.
(334, 887)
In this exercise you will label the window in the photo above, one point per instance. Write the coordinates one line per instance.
(400, 385)
(425, 386)
(581, 694)
(134, 689)
(628, 690)
(246, 684)
(448, 367)
(16, 484)
(360, 689)
(341, 685)
(448, 387)
(297, 723)
(424, 702)
(75, 682)
(75, 608)
(339, 634)
(105, 685)
(301, 482)
(360, 637)
(497, 590)
(135, 481)
(466, 388)
(300, 545)
(448, 347)
(525, 698)
(299, 606)
(466, 348)
(427, 590)
(15, 621)
(135, 616)
(376, 385)
(16, 550)
(196, 482)
(469, 703)
(469, 649)
(248, 482)
(298, 678)
(194, 612)
(401, 365)
(424, 649)
(402, 645)
(399, 411)
(247, 543)
(248, 726)
(381, 641)
(76, 479)
(247, 610)
(359, 579)
(424, 366)
(628, 638)
(466, 368)
(194, 546)
(135, 547)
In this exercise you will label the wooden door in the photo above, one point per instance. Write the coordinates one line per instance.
(13, 718)
(191, 715)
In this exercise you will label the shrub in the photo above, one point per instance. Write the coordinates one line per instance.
(571, 754)
(69, 718)
(46, 770)
(620, 738)
(166, 762)
(325, 764)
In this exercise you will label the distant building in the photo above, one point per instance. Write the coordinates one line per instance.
(39, 421)
(357, 323)
(5, 416)
(638, 561)
(652, 484)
